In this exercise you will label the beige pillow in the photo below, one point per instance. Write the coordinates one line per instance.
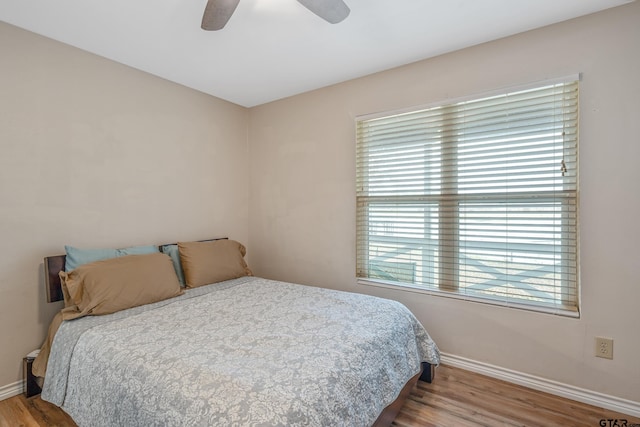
(111, 285)
(68, 302)
(211, 262)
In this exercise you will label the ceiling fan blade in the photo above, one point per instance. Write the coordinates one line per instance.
(332, 11)
(217, 13)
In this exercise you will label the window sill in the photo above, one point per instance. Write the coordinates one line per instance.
(558, 311)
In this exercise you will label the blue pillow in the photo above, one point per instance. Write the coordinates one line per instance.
(138, 250)
(174, 253)
(77, 257)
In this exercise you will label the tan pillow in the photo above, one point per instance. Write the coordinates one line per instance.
(104, 287)
(211, 262)
(68, 302)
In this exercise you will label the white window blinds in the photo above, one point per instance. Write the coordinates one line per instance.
(475, 199)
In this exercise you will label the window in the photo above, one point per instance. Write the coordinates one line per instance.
(474, 199)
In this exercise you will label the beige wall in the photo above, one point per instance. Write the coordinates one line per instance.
(302, 209)
(93, 153)
(97, 154)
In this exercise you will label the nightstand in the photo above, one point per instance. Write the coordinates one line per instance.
(31, 387)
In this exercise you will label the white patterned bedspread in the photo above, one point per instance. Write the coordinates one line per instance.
(248, 351)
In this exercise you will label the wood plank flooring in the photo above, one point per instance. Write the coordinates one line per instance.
(456, 398)
(19, 411)
(465, 399)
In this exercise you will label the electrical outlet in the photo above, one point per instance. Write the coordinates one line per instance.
(604, 347)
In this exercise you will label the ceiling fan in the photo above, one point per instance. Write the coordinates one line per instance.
(218, 12)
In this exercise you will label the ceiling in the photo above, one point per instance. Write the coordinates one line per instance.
(272, 49)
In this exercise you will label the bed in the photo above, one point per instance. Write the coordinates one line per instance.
(239, 351)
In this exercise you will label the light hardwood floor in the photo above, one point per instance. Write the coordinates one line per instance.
(456, 398)
(461, 398)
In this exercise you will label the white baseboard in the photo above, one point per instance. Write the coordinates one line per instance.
(590, 397)
(11, 390)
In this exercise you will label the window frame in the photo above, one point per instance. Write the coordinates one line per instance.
(449, 286)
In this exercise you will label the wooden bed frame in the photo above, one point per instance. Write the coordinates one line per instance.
(53, 265)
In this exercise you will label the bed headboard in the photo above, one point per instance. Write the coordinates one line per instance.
(53, 265)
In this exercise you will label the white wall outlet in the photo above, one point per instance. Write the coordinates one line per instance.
(604, 347)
